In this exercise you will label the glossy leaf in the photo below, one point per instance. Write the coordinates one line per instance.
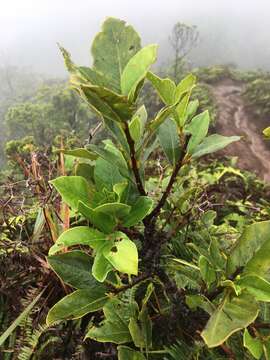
(234, 313)
(126, 353)
(254, 345)
(164, 87)
(139, 211)
(136, 333)
(81, 74)
(106, 103)
(198, 128)
(123, 255)
(136, 69)
(213, 143)
(181, 110)
(74, 268)
(80, 153)
(114, 209)
(185, 85)
(207, 272)
(115, 326)
(112, 48)
(161, 116)
(256, 286)
(72, 189)
(85, 170)
(195, 301)
(101, 267)
(169, 141)
(137, 124)
(192, 109)
(79, 235)
(103, 222)
(106, 175)
(252, 250)
(135, 128)
(76, 305)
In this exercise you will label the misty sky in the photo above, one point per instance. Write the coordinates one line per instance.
(235, 31)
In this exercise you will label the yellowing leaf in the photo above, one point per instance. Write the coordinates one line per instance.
(123, 255)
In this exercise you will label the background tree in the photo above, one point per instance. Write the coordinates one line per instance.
(53, 110)
(183, 39)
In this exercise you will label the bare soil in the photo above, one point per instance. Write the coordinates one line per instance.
(235, 118)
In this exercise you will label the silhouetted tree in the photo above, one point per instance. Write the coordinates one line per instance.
(183, 39)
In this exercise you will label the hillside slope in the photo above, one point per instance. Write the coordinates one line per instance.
(234, 118)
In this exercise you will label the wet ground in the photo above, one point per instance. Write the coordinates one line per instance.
(236, 119)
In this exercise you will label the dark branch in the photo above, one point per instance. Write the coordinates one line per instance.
(137, 281)
(134, 164)
(167, 191)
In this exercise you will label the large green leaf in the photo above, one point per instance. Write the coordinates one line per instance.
(103, 222)
(252, 250)
(106, 103)
(72, 189)
(213, 143)
(207, 272)
(101, 266)
(139, 211)
(126, 353)
(112, 48)
(256, 286)
(77, 304)
(198, 128)
(74, 268)
(115, 209)
(254, 345)
(85, 170)
(135, 128)
(234, 313)
(123, 255)
(136, 69)
(82, 74)
(181, 110)
(79, 235)
(165, 88)
(106, 175)
(137, 123)
(185, 86)
(112, 155)
(80, 153)
(169, 140)
(115, 326)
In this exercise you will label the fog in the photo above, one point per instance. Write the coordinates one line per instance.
(230, 31)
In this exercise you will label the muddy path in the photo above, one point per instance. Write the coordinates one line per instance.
(235, 119)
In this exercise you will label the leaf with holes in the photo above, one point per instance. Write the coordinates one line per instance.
(123, 255)
(112, 48)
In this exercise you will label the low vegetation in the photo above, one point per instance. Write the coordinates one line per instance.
(124, 237)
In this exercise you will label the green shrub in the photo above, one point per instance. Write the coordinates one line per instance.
(144, 258)
(257, 94)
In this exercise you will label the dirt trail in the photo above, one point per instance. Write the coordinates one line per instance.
(234, 119)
